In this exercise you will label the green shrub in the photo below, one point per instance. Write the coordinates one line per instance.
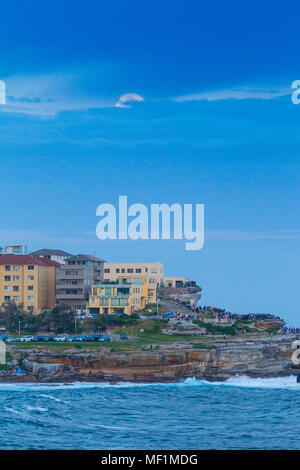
(203, 346)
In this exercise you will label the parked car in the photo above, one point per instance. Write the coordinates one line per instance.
(104, 338)
(38, 338)
(124, 336)
(48, 338)
(60, 338)
(72, 338)
(26, 339)
(94, 337)
(12, 339)
(82, 338)
(168, 315)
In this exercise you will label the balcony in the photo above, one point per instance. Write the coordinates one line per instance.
(60, 287)
(63, 275)
(70, 296)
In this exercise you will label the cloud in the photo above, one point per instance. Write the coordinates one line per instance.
(128, 98)
(236, 94)
(48, 94)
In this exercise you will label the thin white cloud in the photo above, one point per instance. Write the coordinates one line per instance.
(128, 98)
(243, 93)
(47, 95)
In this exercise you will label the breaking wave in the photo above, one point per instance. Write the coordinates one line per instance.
(289, 382)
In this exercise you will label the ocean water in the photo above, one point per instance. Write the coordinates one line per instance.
(241, 413)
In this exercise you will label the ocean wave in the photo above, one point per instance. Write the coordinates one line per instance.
(36, 408)
(289, 382)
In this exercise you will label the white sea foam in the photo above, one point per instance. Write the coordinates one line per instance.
(51, 397)
(36, 408)
(289, 383)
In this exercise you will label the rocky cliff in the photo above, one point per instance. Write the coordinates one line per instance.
(256, 357)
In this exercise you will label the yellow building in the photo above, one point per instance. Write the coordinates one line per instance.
(121, 296)
(27, 280)
(153, 271)
(175, 281)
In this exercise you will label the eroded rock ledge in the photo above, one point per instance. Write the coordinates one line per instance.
(264, 357)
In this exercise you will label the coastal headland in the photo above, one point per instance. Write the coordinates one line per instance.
(254, 357)
(210, 345)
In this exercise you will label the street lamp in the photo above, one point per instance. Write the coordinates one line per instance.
(19, 328)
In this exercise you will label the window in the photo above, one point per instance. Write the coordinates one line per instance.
(30, 267)
(7, 278)
(30, 308)
(30, 278)
(16, 278)
(129, 270)
(16, 288)
(16, 268)
(7, 268)
(117, 270)
(118, 302)
(138, 270)
(146, 270)
(30, 298)
(106, 270)
(16, 299)
(103, 302)
(30, 287)
(123, 270)
(7, 288)
(108, 291)
(6, 298)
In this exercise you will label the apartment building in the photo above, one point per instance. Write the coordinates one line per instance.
(59, 256)
(27, 280)
(153, 271)
(15, 249)
(175, 281)
(121, 296)
(75, 278)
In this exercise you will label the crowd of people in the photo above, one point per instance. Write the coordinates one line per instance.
(222, 313)
(289, 330)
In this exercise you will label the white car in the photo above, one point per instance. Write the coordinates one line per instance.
(60, 338)
(26, 339)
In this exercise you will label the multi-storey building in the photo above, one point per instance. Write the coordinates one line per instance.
(75, 278)
(121, 296)
(27, 280)
(114, 271)
(175, 281)
(56, 255)
(15, 249)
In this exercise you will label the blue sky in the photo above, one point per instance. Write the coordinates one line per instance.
(210, 120)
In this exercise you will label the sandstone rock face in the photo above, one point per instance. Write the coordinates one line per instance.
(256, 357)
